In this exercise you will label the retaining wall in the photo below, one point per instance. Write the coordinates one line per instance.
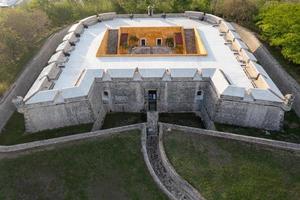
(44, 144)
(183, 184)
(255, 140)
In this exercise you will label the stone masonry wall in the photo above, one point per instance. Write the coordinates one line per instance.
(249, 115)
(131, 96)
(99, 111)
(52, 116)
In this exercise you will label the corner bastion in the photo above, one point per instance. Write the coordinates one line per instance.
(227, 82)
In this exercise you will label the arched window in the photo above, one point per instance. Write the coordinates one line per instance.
(199, 93)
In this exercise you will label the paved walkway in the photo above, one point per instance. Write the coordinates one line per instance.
(28, 76)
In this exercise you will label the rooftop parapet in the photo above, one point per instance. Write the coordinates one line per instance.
(247, 56)
(71, 38)
(76, 28)
(213, 19)
(89, 20)
(65, 47)
(238, 45)
(225, 27)
(58, 58)
(106, 16)
(232, 36)
(51, 71)
(194, 15)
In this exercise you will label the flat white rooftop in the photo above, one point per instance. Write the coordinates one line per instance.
(219, 55)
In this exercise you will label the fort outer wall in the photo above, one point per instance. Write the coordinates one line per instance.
(283, 80)
(131, 96)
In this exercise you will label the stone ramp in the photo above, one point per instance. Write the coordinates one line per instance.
(172, 184)
(112, 43)
(190, 42)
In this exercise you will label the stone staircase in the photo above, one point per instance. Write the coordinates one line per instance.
(112, 43)
(170, 183)
(190, 42)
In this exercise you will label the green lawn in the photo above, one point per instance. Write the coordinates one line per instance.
(290, 132)
(117, 119)
(183, 119)
(110, 168)
(225, 169)
(13, 132)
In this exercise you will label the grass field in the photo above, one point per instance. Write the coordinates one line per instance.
(117, 119)
(13, 132)
(183, 119)
(290, 132)
(110, 168)
(224, 169)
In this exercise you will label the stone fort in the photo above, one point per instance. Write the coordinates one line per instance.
(188, 62)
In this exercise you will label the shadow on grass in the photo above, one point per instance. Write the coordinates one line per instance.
(117, 119)
(290, 132)
(183, 119)
(14, 131)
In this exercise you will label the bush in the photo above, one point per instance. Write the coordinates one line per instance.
(280, 26)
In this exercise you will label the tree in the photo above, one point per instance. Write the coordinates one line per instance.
(241, 11)
(280, 25)
(28, 25)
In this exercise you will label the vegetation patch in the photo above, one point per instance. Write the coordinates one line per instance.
(227, 169)
(183, 119)
(110, 168)
(117, 119)
(290, 132)
(14, 131)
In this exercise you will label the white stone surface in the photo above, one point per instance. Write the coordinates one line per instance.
(58, 58)
(226, 27)
(232, 35)
(65, 47)
(76, 28)
(248, 56)
(51, 71)
(71, 37)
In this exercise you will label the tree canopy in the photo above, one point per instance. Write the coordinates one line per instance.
(280, 25)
